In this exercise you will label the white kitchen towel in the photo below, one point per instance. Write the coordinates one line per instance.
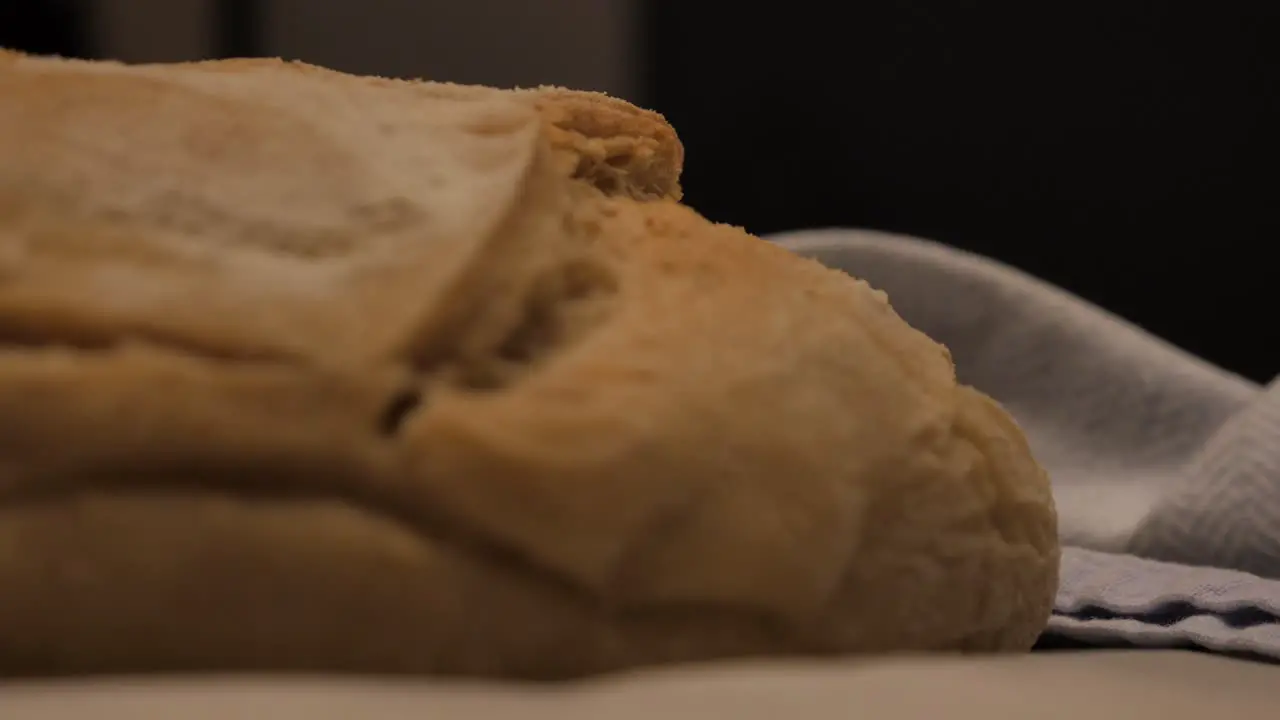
(1112, 599)
(1154, 453)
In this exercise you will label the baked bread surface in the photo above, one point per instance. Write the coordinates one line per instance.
(306, 371)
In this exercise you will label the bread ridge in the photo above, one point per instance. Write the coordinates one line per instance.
(608, 142)
(376, 192)
(630, 437)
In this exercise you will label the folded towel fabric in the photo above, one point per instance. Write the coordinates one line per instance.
(1166, 469)
(1114, 599)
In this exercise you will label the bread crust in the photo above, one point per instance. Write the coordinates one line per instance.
(605, 141)
(528, 427)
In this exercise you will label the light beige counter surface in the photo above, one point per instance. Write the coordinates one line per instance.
(1092, 685)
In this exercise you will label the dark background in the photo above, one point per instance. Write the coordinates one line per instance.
(50, 27)
(1125, 150)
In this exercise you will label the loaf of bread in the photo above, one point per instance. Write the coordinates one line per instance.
(314, 372)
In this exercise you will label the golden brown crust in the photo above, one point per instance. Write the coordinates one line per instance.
(619, 148)
(526, 429)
